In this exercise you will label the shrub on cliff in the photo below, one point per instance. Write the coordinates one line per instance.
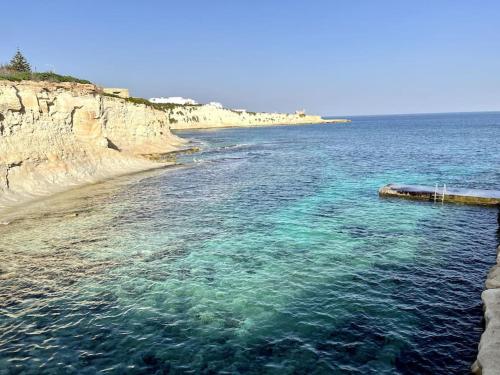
(12, 75)
(18, 63)
(53, 77)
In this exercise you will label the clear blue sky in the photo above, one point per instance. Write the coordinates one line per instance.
(342, 57)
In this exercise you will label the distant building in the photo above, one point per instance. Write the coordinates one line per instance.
(122, 93)
(241, 110)
(301, 112)
(173, 100)
(215, 104)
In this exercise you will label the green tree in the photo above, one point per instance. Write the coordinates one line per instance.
(19, 63)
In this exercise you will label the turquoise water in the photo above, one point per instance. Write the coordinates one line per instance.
(268, 252)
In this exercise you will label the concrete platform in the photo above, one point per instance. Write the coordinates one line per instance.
(451, 195)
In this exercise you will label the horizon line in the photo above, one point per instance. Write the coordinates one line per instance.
(409, 114)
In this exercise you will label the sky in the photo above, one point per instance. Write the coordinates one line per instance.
(330, 57)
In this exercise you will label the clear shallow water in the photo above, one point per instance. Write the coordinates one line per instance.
(270, 252)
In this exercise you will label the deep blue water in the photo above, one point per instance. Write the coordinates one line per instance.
(268, 252)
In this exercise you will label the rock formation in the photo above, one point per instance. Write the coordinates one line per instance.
(57, 135)
(207, 116)
(54, 136)
(488, 358)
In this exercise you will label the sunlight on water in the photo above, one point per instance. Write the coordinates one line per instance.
(268, 252)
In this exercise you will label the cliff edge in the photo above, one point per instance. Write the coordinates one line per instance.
(54, 136)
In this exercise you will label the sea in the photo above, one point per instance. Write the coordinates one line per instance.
(268, 252)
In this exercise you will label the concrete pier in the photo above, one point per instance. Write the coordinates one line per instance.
(441, 194)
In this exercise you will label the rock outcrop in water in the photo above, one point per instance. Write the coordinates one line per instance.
(488, 359)
(57, 135)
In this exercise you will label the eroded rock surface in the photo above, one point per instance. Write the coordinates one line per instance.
(57, 135)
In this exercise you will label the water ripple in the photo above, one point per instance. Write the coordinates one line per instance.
(271, 253)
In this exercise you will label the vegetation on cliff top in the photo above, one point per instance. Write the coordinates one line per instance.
(19, 69)
(10, 75)
(160, 106)
(166, 107)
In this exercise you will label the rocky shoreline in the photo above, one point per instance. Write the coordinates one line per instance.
(56, 136)
(209, 117)
(488, 358)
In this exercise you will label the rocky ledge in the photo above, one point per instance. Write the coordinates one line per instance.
(488, 358)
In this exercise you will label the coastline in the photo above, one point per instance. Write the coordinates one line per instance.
(58, 136)
(236, 126)
(488, 358)
(126, 167)
(55, 136)
(10, 212)
(10, 203)
(205, 117)
(471, 345)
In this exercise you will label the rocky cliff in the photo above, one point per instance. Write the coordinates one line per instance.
(207, 116)
(57, 135)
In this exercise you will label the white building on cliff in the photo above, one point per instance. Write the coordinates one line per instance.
(215, 104)
(173, 100)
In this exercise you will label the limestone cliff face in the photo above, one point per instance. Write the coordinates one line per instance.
(57, 135)
(206, 116)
